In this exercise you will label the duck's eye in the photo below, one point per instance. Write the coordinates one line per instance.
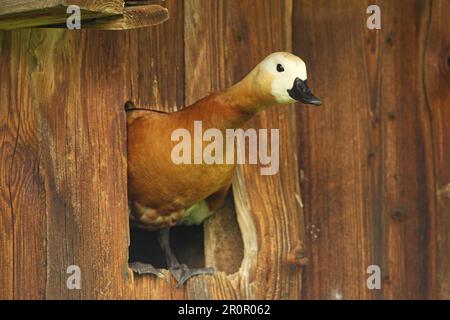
(280, 68)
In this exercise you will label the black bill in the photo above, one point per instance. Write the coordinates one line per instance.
(300, 92)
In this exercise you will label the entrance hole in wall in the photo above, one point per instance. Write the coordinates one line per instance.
(216, 243)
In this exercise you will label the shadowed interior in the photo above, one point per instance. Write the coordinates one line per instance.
(224, 246)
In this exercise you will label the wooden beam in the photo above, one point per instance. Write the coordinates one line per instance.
(113, 14)
(43, 17)
(16, 14)
(21, 6)
(104, 6)
(132, 18)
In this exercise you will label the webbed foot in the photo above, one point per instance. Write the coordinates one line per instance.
(182, 272)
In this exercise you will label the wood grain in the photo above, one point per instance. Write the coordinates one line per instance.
(436, 81)
(106, 6)
(23, 271)
(156, 81)
(55, 16)
(131, 18)
(374, 158)
(157, 70)
(21, 6)
(67, 189)
(205, 72)
(366, 156)
(99, 14)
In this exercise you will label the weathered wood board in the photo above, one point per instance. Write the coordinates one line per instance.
(16, 14)
(98, 14)
(436, 81)
(21, 6)
(374, 156)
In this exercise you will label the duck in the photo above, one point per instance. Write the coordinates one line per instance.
(163, 194)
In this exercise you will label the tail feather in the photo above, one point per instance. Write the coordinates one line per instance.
(129, 105)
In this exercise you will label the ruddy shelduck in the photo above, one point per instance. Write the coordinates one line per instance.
(163, 194)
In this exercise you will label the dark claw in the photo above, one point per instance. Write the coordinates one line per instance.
(182, 273)
(144, 268)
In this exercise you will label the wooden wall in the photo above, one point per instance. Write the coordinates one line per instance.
(375, 159)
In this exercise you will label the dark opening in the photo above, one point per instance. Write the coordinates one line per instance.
(186, 242)
(448, 61)
(223, 245)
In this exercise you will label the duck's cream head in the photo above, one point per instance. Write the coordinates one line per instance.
(281, 78)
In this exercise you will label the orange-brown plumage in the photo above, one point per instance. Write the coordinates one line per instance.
(159, 190)
(155, 181)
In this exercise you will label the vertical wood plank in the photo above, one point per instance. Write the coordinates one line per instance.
(219, 52)
(363, 154)
(278, 217)
(6, 217)
(204, 73)
(436, 77)
(83, 160)
(334, 148)
(103, 120)
(64, 164)
(155, 68)
(23, 272)
(156, 62)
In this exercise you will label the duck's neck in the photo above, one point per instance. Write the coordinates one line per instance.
(233, 107)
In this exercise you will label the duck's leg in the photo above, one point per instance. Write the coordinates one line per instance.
(181, 272)
(145, 268)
